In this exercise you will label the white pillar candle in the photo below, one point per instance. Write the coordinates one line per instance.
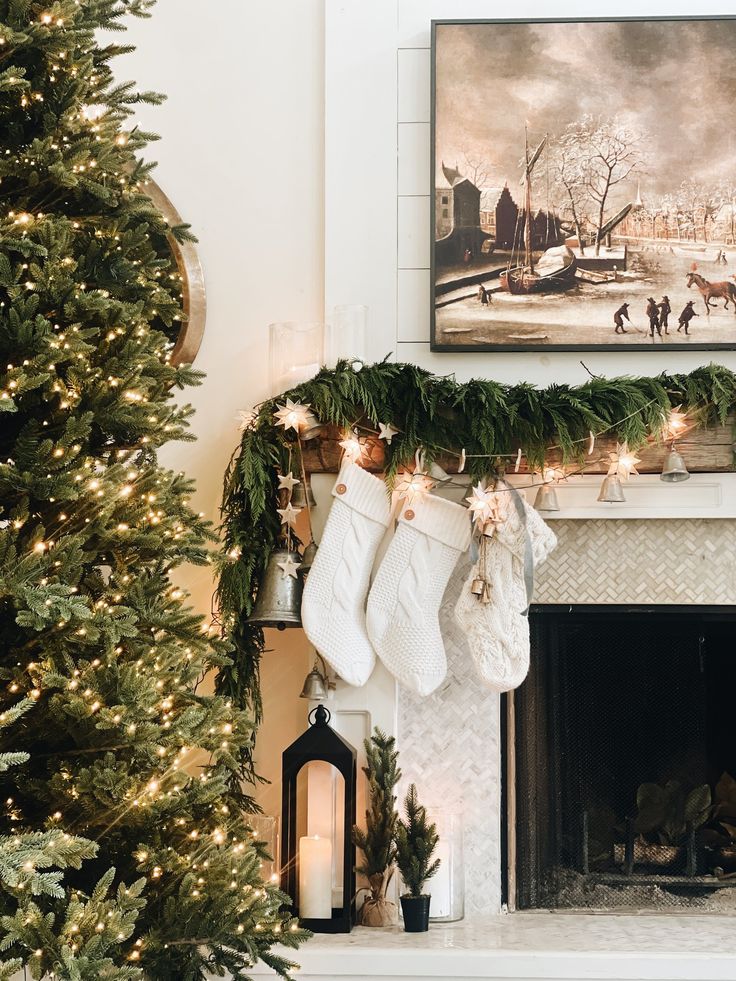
(440, 885)
(315, 878)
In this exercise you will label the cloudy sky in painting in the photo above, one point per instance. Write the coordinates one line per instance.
(673, 81)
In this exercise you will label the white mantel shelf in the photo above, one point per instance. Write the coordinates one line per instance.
(532, 946)
(704, 495)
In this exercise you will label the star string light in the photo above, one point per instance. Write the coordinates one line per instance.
(412, 485)
(352, 447)
(294, 415)
(676, 423)
(482, 504)
(623, 462)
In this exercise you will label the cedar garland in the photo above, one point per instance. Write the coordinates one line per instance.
(434, 412)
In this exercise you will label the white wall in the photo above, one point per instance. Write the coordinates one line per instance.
(241, 157)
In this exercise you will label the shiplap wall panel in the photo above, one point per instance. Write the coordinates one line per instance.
(414, 94)
(413, 305)
(413, 159)
(413, 243)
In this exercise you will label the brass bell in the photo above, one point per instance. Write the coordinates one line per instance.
(478, 586)
(674, 468)
(316, 686)
(611, 490)
(279, 600)
(546, 499)
(301, 498)
(308, 557)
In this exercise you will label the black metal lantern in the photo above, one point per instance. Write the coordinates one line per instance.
(313, 865)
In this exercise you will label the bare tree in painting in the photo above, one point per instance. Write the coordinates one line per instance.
(613, 153)
(568, 171)
(726, 193)
(476, 169)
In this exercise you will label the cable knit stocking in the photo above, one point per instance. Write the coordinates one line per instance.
(498, 630)
(404, 601)
(333, 605)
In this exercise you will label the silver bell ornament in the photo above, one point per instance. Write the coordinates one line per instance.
(302, 497)
(308, 557)
(612, 491)
(279, 600)
(546, 499)
(674, 469)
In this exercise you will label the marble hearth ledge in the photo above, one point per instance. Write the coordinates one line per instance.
(531, 946)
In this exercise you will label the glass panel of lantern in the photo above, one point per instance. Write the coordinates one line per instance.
(319, 781)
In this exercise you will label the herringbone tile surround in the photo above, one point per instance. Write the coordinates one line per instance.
(450, 742)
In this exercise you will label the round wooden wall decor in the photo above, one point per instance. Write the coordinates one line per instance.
(194, 300)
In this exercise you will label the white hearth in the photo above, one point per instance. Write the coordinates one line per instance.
(531, 946)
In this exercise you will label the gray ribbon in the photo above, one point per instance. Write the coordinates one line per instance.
(528, 552)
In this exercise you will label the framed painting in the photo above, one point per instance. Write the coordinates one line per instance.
(584, 184)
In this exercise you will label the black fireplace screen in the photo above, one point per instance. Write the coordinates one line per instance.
(625, 769)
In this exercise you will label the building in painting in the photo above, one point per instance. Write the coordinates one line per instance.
(458, 232)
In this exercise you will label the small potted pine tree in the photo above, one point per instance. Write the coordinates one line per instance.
(377, 841)
(416, 840)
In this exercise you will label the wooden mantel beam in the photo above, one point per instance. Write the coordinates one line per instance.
(705, 450)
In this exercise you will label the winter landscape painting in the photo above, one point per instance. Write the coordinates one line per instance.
(584, 184)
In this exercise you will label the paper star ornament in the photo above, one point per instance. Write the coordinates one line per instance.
(482, 504)
(294, 415)
(387, 431)
(289, 514)
(409, 486)
(288, 567)
(623, 462)
(288, 482)
(353, 449)
(245, 418)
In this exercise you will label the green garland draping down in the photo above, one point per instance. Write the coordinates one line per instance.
(486, 418)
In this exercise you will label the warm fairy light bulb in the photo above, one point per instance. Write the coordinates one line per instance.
(352, 449)
(411, 486)
(676, 424)
(623, 462)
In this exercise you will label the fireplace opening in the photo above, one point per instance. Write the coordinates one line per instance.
(621, 761)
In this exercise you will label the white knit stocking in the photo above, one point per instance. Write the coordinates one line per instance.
(333, 606)
(498, 630)
(404, 601)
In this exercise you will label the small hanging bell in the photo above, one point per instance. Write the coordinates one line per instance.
(546, 499)
(611, 490)
(674, 468)
(308, 557)
(301, 497)
(279, 600)
(315, 686)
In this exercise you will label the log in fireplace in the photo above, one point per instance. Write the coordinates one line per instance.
(621, 761)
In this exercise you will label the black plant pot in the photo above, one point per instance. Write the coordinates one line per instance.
(416, 913)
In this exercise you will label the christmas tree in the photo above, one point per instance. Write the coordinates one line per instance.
(377, 840)
(416, 840)
(122, 752)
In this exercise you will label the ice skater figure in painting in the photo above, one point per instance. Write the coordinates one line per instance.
(618, 318)
(686, 316)
(713, 291)
(653, 315)
(483, 295)
(664, 311)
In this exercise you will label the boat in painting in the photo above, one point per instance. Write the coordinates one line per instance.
(554, 270)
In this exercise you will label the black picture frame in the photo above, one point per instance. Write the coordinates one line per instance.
(613, 342)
